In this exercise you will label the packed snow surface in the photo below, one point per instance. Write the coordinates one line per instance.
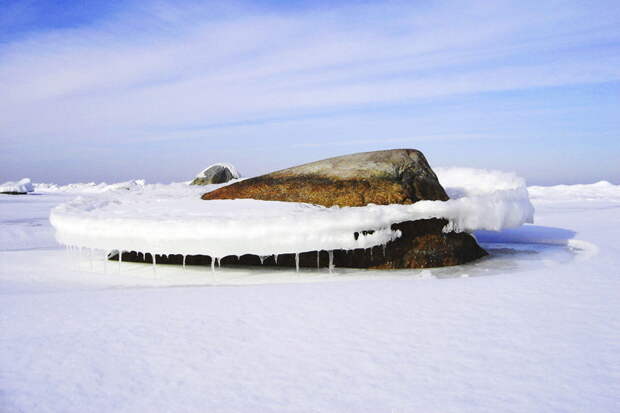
(534, 327)
(23, 186)
(174, 220)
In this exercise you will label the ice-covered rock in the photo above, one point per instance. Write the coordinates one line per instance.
(21, 187)
(172, 222)
(218, 173)
(399, 176)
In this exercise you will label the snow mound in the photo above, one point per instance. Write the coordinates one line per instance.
(230, 167)
(172, 219)
(89, 188)
(459, 182)
(601, 190)
(23, 186)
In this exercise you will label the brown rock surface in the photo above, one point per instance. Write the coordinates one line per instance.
(400, 176)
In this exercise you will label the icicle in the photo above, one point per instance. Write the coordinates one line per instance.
(212, 264)
(383, 250)
(297, 261)
(184, 262)
(275, 258)
(219, 262)
(331, 260)
(318, 259)
(120, 260)
(262, 259)
(154, 263)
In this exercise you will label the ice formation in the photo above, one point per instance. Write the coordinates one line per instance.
(172, 219)
(23, 186)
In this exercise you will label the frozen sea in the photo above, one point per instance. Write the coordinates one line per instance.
(535, 327)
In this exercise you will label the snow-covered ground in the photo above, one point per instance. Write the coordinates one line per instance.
(533, 328)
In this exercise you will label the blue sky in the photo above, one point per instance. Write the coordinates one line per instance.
(109, 91)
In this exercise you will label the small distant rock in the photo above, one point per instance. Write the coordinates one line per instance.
(218, 173)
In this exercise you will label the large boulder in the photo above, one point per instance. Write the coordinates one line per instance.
(400, 176)
(218, 173)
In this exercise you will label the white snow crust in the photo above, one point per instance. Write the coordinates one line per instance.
(174, 220)
(21, 186)
(601, 190)
(89, 188)
(231, 168)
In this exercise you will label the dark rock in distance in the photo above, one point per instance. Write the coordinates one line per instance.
(218, 173)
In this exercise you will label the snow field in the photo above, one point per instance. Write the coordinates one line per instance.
(541, 333)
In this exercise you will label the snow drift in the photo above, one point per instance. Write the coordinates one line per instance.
(601, 190)
(90, 187)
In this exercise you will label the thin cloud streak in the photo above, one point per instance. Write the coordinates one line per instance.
(184, 65)
(392, 141)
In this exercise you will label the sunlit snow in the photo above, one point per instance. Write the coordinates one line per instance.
(533, 327)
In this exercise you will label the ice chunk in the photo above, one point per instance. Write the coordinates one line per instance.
(20, 187)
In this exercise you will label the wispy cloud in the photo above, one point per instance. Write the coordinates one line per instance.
(165, 66)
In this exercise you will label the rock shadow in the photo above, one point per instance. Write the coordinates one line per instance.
(527, 234)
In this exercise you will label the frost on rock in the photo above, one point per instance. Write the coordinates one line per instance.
(20, 187)
(172, 219)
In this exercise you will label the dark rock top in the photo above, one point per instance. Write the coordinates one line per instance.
(216, 174)
(398, 176)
